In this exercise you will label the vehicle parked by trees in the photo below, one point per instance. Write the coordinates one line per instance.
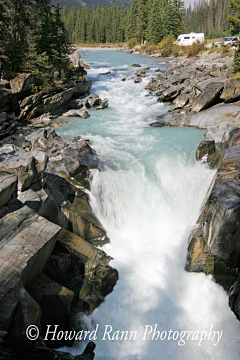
(190, 39)
(231, 41)
(220, 42)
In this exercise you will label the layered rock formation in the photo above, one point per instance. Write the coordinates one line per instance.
(196, 84)
(50, 268)
(48, 231)
(214, 246)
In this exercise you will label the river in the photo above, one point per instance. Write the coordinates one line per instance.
(148, 196)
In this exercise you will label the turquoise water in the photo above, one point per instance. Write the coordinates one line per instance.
(148, 195)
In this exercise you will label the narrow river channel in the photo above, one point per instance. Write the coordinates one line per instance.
(148, 196)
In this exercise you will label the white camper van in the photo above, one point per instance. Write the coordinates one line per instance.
(190, 39)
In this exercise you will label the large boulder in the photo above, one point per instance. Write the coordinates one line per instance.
(233, 98)
(77, 113)
(211, 92)
(67, 170)
(21, 83)
(206, 151)
(81, 88)
(104, 104)
(231, 86)
(76, 60)
(100, 278)
(29, 167)
(170, 94)
(74, 157)
(26, 241)
(87, 102)
(181, 101)
(202, 84)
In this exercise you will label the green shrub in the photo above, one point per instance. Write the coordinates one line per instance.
(236, 59)
(149, 49)
(165, 47)
(175, 50)
(132, 42)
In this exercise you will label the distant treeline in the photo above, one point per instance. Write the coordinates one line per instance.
(210, 18)
(150, 20)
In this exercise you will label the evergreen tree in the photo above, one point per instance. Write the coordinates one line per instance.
(235, 21)
(155, 25)
(33, 39)
(141, 21)
(178, 17)
(132, 21)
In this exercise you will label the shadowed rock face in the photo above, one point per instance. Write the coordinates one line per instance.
(98, 277)
(63, 275)
(38, 104)
(214, 247)
(8, 187)
(67, 171)
(206, 98)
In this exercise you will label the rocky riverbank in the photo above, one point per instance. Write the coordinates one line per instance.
(50, 267)
(206, 97)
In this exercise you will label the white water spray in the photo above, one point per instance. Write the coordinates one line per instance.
(148, 198)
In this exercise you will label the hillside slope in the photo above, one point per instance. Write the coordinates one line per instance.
(91, 3)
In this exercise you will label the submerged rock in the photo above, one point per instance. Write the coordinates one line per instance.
(137, 80)
(141, 73)
(103, 104)
(77, 113)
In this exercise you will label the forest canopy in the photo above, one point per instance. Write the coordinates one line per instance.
(32, 37)
(150, 20)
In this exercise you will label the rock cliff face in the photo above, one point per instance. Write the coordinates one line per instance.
(214, 246)
(50, 268)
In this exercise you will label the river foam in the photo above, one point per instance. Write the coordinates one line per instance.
(148, 197)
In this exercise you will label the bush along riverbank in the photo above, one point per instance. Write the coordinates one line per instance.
(50, 268)
(206, 97)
